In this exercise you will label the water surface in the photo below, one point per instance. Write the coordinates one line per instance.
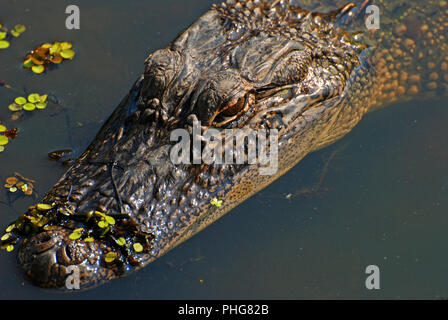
(383, 199)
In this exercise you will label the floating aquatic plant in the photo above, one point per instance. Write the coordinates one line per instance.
(18, 30)
(47, 54)
(121, 241)
(43, 206)
(216, 202)
(110, 257)
(4, 44)
(137, 247)
(34, 101)
(105, 220)
(25, 185)
(76, 234)
(6, 135)
(6, 35)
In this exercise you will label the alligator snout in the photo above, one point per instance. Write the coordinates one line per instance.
(39, 257)
(50, 257)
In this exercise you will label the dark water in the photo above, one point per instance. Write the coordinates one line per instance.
(383, 199)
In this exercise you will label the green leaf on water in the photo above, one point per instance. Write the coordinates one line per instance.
(67, 54)
(66, 45)
(3, 140)
(10, 248)
(110, 257)
(10, 228)
(216, 202)
(4, 44)
(2, 35)
(100, 214)
(137, 247)
(103, 224)
(2, 128)
(5, 237)
(43, 206)
(14, 107)
(20, 28)
(41, 105)
(29, 106)
(28, 63)
(55, 48)
(76, 234)
(2, 148)
(121, 241)
(89, 239)
(34, 97)
(20, 100)
(110, 220)
(38, 69)
(15, 33)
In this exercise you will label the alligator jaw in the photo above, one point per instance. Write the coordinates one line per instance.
(48, 256)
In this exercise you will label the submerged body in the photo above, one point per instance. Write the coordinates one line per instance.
(259, 65)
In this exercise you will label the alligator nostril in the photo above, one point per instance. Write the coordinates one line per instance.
(72, 252)
(43, 242)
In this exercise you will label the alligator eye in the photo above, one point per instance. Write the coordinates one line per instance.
(230, 111)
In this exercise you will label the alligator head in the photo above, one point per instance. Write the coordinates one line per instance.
(243, 65)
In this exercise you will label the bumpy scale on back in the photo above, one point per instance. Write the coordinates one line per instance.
(253, 64)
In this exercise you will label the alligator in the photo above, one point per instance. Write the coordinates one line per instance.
(310, 72)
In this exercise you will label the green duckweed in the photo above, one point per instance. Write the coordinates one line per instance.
(28, 63)
(137, 247)
(34, 97)
(4, 44)
(41, 105)
(110, 257)
(102, 224)
(4, 140)
(29, 106)
(46, 54)
(67, 54)
(20, 28)
(38, 69)
(34, 101)
(43, 206)
(14, 107)
(5, 237)
(216, 202)
(76, 234)
(121, 241)
(20, 100)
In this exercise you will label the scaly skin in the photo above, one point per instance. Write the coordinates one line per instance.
(311, 76)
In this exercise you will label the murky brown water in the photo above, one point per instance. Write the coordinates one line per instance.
(383, 200)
